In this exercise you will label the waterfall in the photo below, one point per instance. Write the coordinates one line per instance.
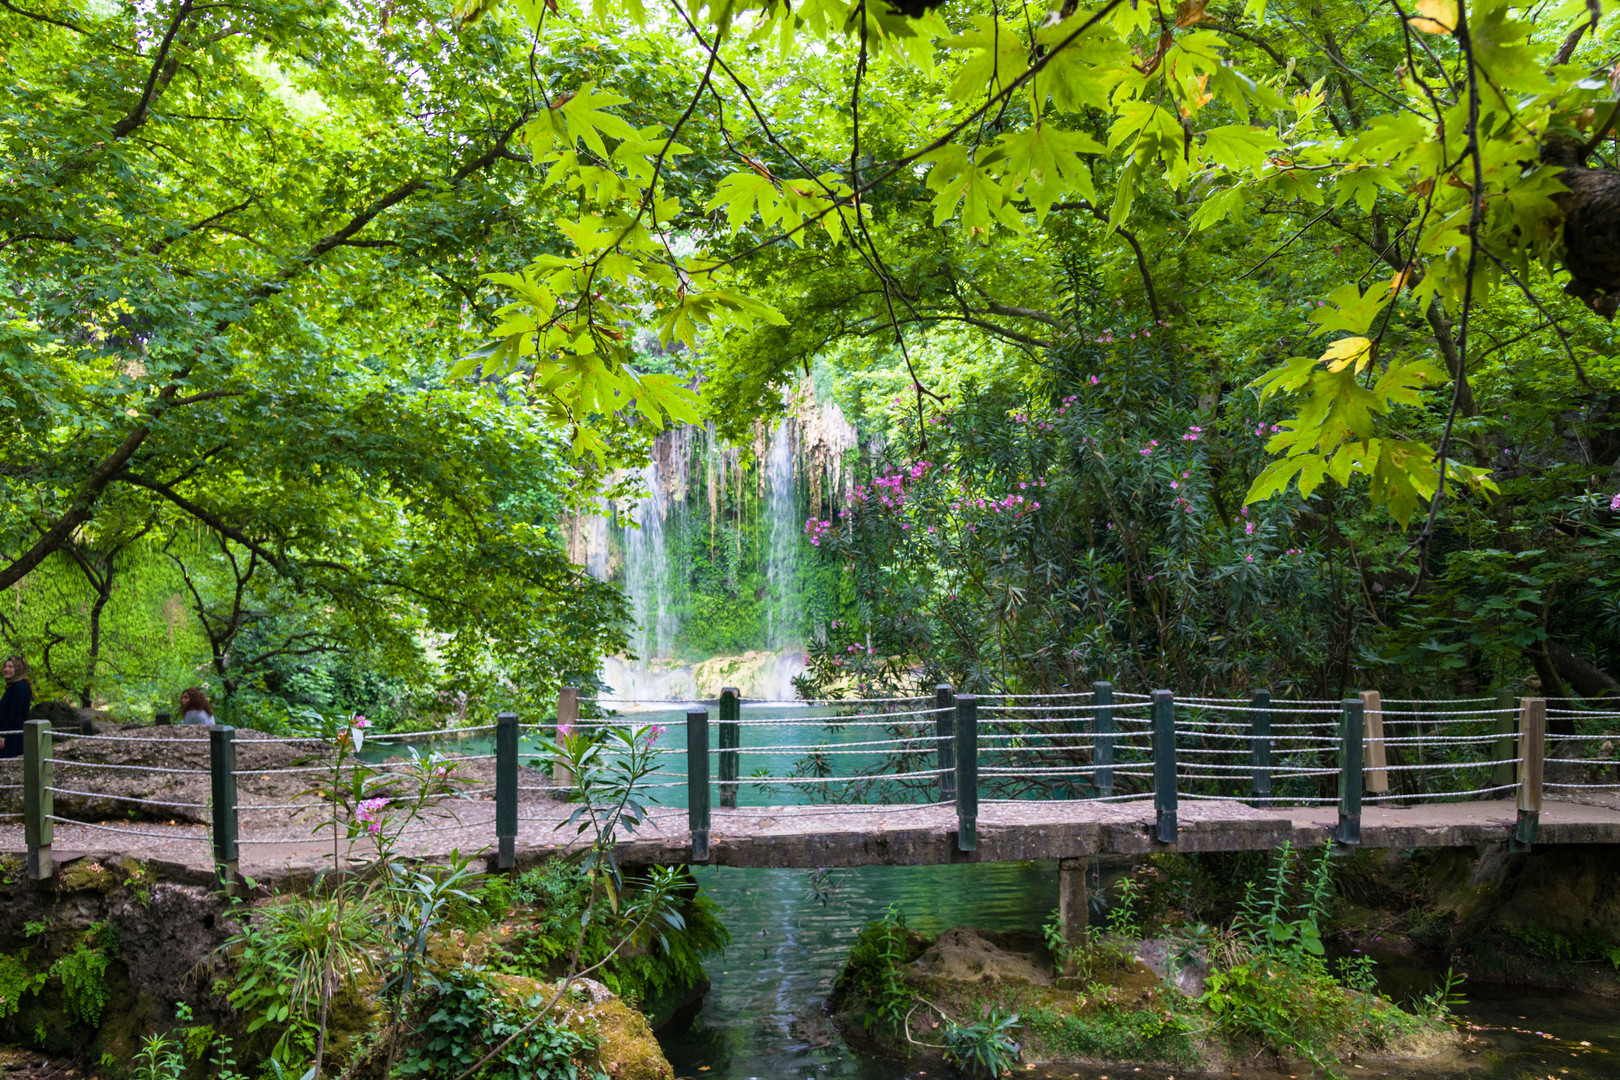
(784, 618)
(646, 573)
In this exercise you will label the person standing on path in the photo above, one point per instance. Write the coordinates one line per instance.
(194, 707)
(14, 704)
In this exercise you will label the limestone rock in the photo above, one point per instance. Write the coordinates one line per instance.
(965, 955)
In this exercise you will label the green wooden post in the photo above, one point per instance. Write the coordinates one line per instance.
(38, 805)
(1102, 725)
(1164, 766)
(730, 741)
(1352, 720)
(967, 772)
(697, 781)
(506, 790)
(1260, 748)
(945, 730)
(1507, 726)
(222, 769)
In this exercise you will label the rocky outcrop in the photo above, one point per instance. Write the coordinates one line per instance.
(965, 955)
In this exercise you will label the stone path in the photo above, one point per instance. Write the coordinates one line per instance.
(808, 836)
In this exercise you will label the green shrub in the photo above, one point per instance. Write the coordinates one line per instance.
(469, 1018)
(558, 893)
(871, 980)
(16, 981)
(1115, 1035)
(83, 973)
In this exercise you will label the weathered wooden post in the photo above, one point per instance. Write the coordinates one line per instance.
(222, 777)
(38, 805)
(1507, 726)
(567, 717)
(945, 735)
(1165, 801)
(967, 772)
(1351, 724)
(1260, 748)
(730, 741)
(506, 790)
(1072, 911)
(1102, 726)
(1532, 763)
(697, 781)
(1376, 780)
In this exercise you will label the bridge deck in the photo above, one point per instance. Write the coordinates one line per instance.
(808, 836)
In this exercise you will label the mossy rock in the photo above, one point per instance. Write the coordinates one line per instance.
(626, 1048)
(88, 875)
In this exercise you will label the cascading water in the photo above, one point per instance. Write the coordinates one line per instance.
(646, 573)
(784, 619)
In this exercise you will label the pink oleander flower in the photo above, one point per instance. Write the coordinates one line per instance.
(565, 731)
(1248, 528)
(1615, 503)
(360, 722)
(1248, 558)
(653, 731)
(369, 813)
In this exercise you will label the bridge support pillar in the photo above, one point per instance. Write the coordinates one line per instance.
(37, 803)
(222, 777)
(730, 741)
(945, 731)
(1532, 756)
(506, 790)
(697, 781)
(1073, 913)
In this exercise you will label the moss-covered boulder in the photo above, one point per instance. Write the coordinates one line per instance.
(625, 1046)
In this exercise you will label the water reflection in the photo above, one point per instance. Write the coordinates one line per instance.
(761, 1020)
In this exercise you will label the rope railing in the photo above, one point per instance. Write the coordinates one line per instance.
(1097, 745)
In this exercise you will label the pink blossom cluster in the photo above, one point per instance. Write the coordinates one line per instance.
(1040, 425)
(1152, 445)
(1614, 504)
(816, 530)
(1295, 551)
(1182, 502)
(442, 772)
(1063, 406)
(1194, 433)
(889, 492)
(1262, 429)
(359, 722)
(369, 814)
(858, 648)
(652, 731)
(1014, 504)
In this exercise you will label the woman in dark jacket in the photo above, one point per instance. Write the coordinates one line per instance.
(14, 704)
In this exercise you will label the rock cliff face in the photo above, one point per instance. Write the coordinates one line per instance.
(102, 956)
(142, 947)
